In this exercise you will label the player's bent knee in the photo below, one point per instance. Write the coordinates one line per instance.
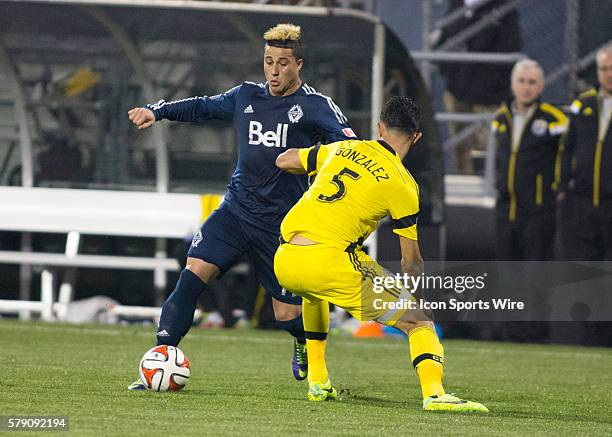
(202, 269)
(285, 311)
(407, 326)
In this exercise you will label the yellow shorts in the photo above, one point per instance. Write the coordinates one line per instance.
(346, 279)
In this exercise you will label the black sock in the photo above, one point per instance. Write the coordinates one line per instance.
(294, 327)
(177, 312)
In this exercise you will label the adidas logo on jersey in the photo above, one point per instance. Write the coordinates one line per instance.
(249, 110)
(269, 138)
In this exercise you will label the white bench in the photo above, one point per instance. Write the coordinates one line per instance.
(96, 212)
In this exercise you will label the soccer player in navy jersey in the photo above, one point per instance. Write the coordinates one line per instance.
(268, 118)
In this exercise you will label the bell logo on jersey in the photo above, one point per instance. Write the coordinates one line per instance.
(269, 138)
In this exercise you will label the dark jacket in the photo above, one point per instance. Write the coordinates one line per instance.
(587, 161)
(480, 83)
(527, 178)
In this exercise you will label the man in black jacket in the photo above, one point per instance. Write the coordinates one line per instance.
(586, 189)
(530, 137)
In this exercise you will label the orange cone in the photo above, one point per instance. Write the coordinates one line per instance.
(369, 330)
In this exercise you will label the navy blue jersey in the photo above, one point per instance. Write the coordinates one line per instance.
(266, 126)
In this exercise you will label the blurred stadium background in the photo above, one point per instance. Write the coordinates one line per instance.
(71, 69)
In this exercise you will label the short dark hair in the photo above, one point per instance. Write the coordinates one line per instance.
(296, 46)
(401, 113)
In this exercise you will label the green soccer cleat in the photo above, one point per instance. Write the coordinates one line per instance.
(299, 363)
(321, 392)
(450, 402)
(137, 385)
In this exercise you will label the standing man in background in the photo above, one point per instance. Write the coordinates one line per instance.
(586, 189)
(267, 117)
(530, 137)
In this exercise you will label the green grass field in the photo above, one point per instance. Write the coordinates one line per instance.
(241, 384)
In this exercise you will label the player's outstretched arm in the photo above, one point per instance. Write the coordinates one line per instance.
(193, 109)
(290, 162)
(141, 117)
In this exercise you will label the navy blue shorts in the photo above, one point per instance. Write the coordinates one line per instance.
(224, 238)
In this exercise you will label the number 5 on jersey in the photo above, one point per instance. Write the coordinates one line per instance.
(340, 184)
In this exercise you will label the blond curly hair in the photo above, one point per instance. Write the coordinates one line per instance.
(283, 32)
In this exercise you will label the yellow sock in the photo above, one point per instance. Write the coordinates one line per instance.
(427, 357)
(317, 370)
(316, 324)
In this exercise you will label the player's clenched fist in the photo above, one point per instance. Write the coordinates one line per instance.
(141, 117)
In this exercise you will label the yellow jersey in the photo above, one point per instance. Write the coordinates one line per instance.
(357, 184)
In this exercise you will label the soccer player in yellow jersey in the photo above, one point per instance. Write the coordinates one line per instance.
(357, 184)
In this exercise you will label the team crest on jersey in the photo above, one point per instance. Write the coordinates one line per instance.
(295, 113)
(196, 239)
(539, 127)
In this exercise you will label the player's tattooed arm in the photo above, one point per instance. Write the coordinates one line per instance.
(412, 262)
(289, 161)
